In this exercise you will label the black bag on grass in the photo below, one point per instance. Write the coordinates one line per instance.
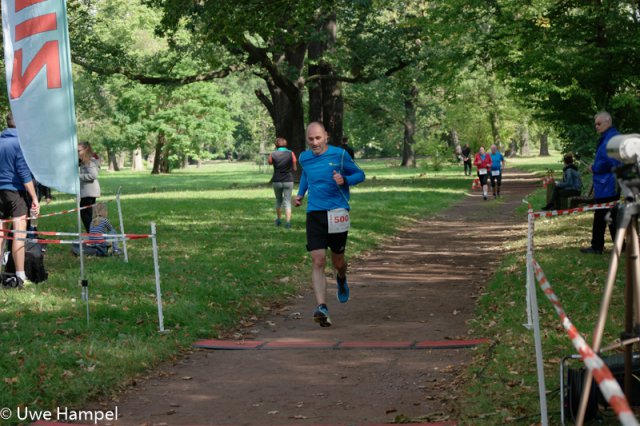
(33, 262)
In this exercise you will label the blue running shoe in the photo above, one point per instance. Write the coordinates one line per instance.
(321, 316)
(277, 222)
(343, 289)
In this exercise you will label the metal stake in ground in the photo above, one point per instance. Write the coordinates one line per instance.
(124, 240)
(156, 267)
(627, 226)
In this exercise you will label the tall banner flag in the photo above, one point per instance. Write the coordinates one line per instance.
(40, 87)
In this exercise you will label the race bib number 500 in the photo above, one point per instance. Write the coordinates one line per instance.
(338, 221)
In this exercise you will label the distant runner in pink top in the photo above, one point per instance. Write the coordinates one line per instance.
(483, 164)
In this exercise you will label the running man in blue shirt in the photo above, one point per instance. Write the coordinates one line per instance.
(497, 165)
(327, 174)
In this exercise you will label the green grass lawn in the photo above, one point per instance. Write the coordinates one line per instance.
(501, 386)
(222, 260)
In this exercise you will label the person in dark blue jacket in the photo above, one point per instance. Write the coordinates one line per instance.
(327, 174)
(604, 183)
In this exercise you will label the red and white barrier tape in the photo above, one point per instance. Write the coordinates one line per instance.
(75, 234)
(476, 184)
(58, 213)
(47, 241)
(547, 180)
(586, 208)
(607, 383)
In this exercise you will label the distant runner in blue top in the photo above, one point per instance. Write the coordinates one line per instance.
(327, 174)
(497, 165)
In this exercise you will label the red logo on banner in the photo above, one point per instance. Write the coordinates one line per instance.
(21, 4)
(48, 56)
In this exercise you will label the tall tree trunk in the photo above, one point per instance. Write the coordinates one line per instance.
(288, 117)
(136, 160)
(122, 158)
(525, 149)
(544, 144)
(315, 51)
(113, 160)
(158, 157)
(408, 150)
(332, 101)
(454, 141)
(495, 129)
(513, 148)
(326, 103)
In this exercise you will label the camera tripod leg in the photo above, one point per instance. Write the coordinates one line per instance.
(632, 302)
(623, 223)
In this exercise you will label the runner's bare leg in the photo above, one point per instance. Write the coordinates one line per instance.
(339, 263)
(319, 261)
(17, 248)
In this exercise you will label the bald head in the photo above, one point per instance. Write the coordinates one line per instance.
(317, 138)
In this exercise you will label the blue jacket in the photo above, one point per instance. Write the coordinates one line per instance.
(604, 181)
(317, 178)
(14, 172)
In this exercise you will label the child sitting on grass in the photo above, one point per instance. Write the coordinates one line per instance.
(101, 225)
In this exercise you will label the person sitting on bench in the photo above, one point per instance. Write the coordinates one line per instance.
(571, 185)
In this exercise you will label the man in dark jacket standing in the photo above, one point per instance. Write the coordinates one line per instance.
(16, 183)
(604, 183)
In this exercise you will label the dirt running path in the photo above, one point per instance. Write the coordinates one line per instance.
(420, 285)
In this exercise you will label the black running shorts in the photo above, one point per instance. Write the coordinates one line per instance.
(496, 178)
(483, 179)
(318, 236)
(13, 204)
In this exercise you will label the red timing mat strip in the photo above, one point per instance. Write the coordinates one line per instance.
(312, 344)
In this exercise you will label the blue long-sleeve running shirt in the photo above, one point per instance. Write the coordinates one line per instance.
(317, 178)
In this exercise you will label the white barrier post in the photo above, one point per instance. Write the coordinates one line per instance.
(124, 240)
(530, 277)
(156, 266)
(538, 344)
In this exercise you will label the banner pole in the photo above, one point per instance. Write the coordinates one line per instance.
(156, 267)
(124, 240)
(84, 283)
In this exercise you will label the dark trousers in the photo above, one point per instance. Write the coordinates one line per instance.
(87, 214)
(467, 166)
(600, 224)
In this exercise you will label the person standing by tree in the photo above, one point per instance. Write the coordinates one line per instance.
(284, 164)
(16, 187)
(483, 164)
(604, 183)
(327, 174)
(346, 147)
(497, 165)
(466, 159)
(89, 185)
